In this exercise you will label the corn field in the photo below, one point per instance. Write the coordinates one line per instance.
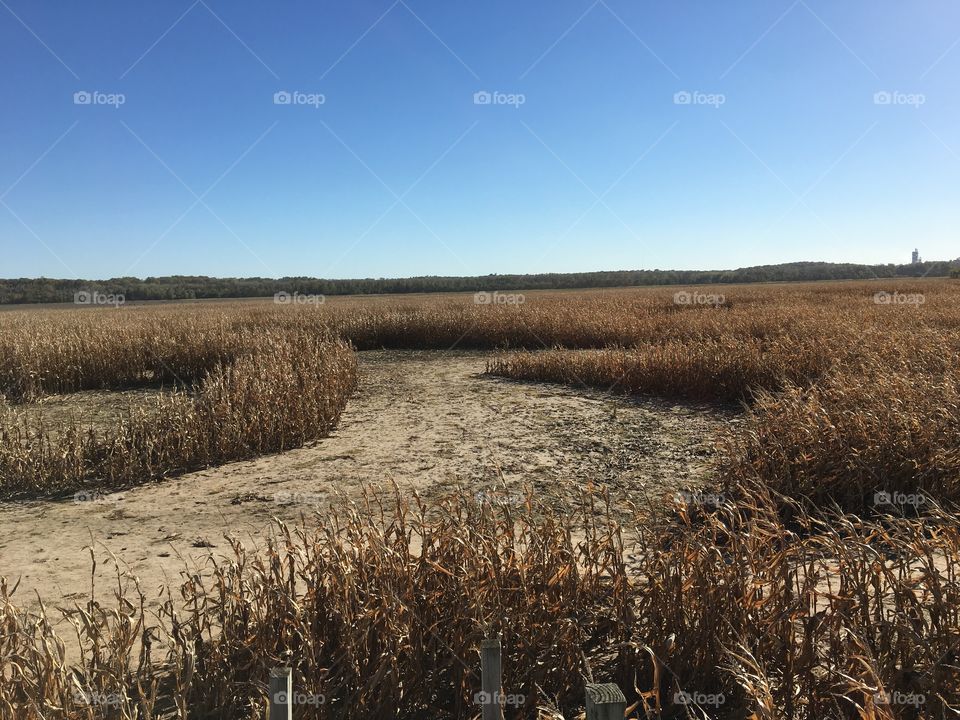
(380, 612)
(805, 591)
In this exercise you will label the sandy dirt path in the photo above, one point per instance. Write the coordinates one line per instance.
(426, 420)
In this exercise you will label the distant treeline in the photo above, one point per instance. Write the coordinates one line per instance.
(185, 287)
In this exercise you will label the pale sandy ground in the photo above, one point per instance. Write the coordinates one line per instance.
(426, 420)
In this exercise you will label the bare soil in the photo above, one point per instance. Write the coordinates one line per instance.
(428, 421)
(89, 409)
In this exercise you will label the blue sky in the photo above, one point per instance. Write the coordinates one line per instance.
(620, 135)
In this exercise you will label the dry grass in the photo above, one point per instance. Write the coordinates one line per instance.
(722, 370)
(847, 398)
(280, 391)
(851, 437)
(781, 602)
(382, 612)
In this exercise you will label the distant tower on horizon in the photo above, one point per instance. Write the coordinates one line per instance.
(915, 257)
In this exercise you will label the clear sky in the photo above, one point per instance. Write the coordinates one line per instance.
(619, 134)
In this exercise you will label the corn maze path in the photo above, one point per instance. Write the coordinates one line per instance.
(429, 421)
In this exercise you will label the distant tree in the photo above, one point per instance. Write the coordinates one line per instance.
(180, 287)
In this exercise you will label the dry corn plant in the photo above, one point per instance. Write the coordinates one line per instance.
(380, 611)
(770, 605)
(282, 390)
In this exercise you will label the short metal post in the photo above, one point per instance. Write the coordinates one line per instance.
(605, 701)
(491, 679)
(281, 693)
